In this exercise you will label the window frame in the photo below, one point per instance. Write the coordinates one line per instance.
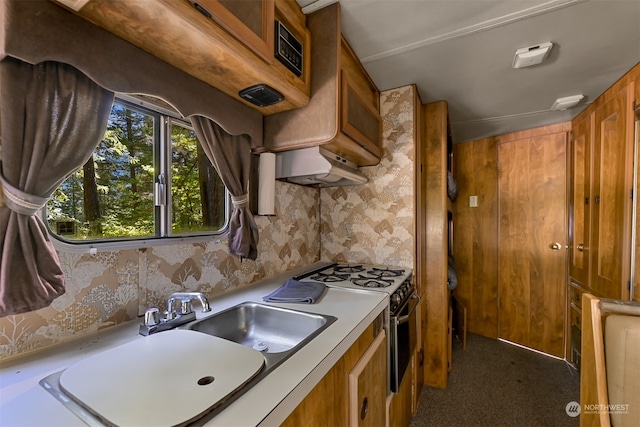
(165, 118)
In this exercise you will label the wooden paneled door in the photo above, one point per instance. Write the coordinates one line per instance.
(612, 184)
(532, 255)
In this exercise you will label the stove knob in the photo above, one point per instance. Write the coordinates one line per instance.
(395, 299)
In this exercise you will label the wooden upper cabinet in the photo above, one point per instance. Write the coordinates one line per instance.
(360, 105)
(227, 44)
(343, 114)
(612, 172)
(251, 21)
(580, 200)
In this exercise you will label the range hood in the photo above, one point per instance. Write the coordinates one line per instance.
(315, 166)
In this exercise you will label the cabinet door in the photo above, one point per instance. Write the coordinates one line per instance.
(358, 119)
(611, 198)
(580, 201)
(368, 386)
(250, 21)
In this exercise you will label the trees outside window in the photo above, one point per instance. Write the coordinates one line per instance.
(148, 178)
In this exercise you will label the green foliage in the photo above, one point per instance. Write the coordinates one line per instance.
(125, 171)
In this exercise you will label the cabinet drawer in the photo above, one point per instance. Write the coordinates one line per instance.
(575, 295)
(576, 315)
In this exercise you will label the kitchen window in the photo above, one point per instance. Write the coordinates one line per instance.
(149, 181)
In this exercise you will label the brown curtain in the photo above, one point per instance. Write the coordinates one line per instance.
(52, 118)
(231, 156)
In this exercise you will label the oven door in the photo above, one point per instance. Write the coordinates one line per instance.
(403, 333)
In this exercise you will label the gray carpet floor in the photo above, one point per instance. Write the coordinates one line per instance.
(493, 383)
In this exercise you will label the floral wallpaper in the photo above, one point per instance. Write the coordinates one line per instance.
(374, 223)
(371, 223)
(113, 287)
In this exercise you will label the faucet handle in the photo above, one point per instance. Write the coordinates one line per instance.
(185, 306)
(151, 317)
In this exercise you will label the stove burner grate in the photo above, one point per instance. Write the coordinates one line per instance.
(385, 272)
(371, 282)
(348, 268)
(329, 277)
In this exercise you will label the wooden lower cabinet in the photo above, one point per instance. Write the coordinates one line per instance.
(400, 404)
(575, 327)
(367, 386)
(338, 399)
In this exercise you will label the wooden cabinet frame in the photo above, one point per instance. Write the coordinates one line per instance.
(262, 43)
(350, 92)
(225, 57)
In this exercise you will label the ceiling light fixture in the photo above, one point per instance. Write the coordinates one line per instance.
(531, 55)
(566, 102)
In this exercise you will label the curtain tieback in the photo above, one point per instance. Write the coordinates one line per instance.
(19, 201)
(239, 201)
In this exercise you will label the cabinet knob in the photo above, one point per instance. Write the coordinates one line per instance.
(555, 246)
(364, 408)
(580, 247)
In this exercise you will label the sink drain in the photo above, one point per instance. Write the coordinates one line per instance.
(206, 380)
(260, 346)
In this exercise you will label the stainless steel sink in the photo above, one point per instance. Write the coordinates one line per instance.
(263, 327)
(278, 333)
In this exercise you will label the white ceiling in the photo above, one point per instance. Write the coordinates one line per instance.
(461, 51)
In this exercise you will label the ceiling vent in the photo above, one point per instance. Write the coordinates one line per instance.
(566, 102)
(531, 55)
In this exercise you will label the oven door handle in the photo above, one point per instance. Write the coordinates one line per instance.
(405, 319)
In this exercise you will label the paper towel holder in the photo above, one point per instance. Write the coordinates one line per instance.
(254, 187)
(253, 183)
(266, 184)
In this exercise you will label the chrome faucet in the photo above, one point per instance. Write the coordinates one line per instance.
(172, 317)
(185, 299)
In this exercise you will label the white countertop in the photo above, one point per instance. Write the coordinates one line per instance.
(23, 402)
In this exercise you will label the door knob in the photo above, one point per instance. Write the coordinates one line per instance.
(556, 246)
(580, 247)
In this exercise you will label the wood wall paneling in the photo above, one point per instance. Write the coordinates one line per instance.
(434, 215)
(476, 244)
(636, 282)
(419, 268)
(476, 231)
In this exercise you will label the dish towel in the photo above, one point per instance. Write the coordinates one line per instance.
(295, 291)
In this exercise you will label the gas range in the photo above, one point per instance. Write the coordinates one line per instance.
(403, 301)
(394, 281)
